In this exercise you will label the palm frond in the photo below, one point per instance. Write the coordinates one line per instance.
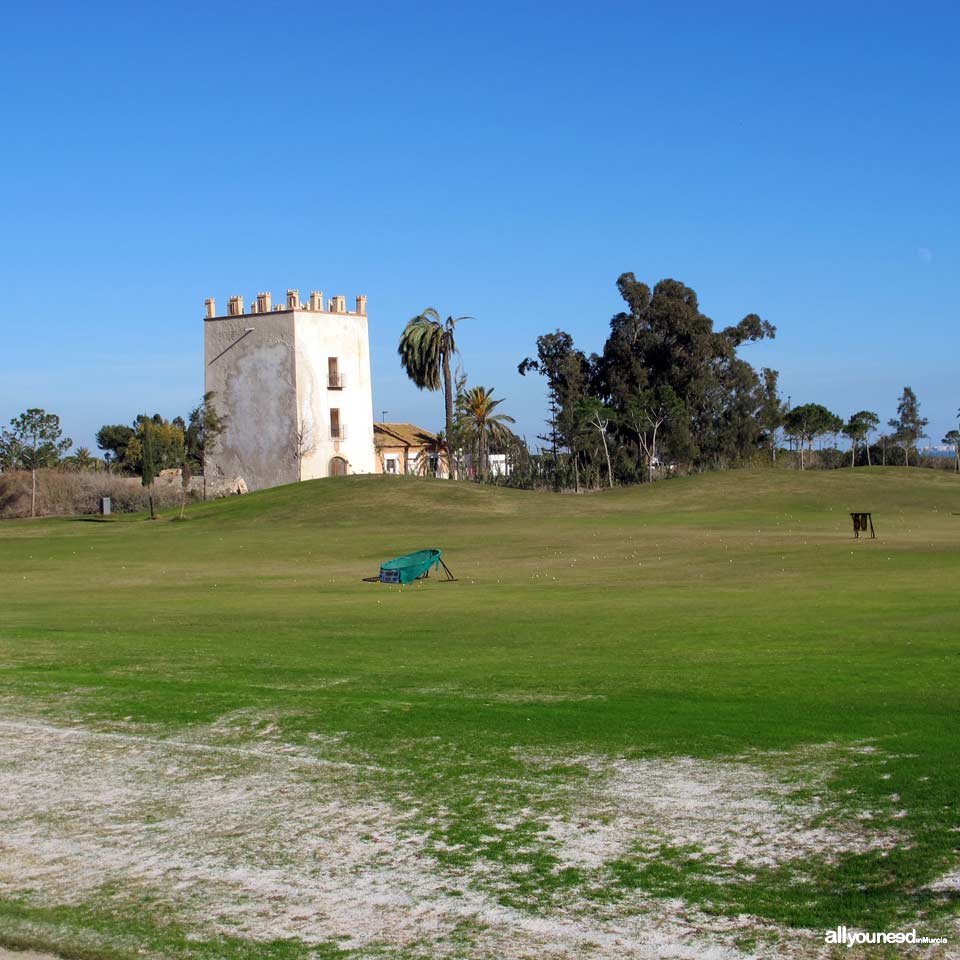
(425, 341)
(420, 349)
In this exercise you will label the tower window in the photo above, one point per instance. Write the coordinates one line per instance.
(334, 378)
(337, 429)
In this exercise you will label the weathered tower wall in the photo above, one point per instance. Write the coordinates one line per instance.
(293, 383)
(335, 417)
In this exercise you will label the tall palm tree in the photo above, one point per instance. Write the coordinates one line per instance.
(477, 413)
(426, 346)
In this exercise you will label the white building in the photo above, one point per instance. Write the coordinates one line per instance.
(293, 383)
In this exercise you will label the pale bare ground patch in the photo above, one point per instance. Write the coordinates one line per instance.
(735, 811)
(24, 955)
(266, 841)
(948, 883)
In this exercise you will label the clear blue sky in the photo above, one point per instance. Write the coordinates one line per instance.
(502, 160)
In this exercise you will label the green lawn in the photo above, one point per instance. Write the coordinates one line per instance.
(722, 630)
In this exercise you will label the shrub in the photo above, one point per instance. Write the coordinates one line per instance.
(937, 461)
(65, 493)
(830, 458)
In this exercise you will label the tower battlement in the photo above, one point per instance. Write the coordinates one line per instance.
(263, 303)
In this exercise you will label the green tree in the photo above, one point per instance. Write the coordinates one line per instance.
(148, 460)
(206, 425)
(953, 439)
(908, 426)
(35, 440)
(114, 439)
(426, 347)
(167, 438)
(646, 415)
(807, 422)
(884, 441)
(595, 417)
(834, 429)
(568, 374)
(771, 410)
(9, 452)
(663, 339)
(858, 429)
(479, 420)
(456, 444)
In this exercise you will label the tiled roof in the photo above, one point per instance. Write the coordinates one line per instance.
(402, 434)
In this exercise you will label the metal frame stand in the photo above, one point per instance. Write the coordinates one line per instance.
(449, 578)
(860, 521)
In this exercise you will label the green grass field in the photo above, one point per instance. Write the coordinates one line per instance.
(691, 716)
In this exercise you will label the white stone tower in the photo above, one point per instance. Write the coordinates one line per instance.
(293, 382)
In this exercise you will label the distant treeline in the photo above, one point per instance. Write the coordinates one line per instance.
(669, 394)
(33, 450)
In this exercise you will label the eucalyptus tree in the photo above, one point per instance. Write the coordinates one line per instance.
(427, 345)
(771, 410)
(568, 373)
(594, 416)
(646, 414)
(953, 439)
(908, 426)
(663, 339)
(858, 429)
